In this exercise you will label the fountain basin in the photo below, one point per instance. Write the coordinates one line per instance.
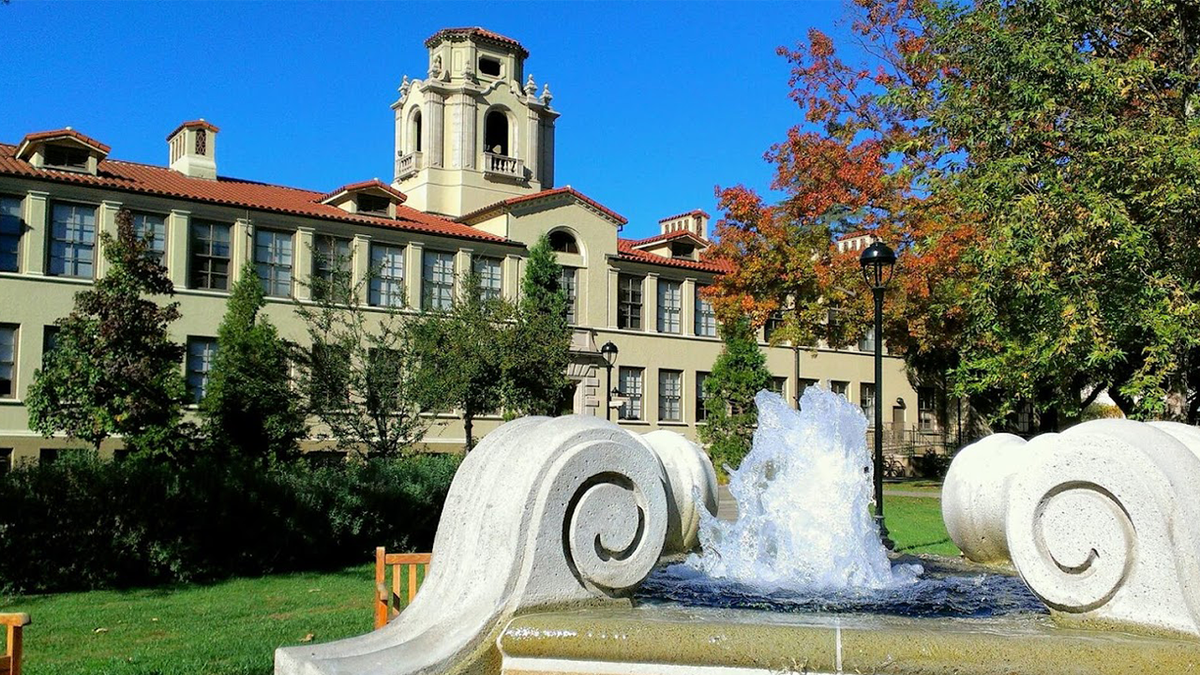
(671, 640)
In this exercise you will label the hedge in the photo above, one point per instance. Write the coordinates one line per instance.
(82, 523)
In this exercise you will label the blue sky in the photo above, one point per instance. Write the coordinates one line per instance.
(660, 101)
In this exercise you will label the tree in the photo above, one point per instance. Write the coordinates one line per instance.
(361, 373)
(738, 374)
(538, 348)
(462, 354)
(113, 370)
(250, 409)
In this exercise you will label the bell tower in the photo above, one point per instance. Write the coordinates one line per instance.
(475, 131)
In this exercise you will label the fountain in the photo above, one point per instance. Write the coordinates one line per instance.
(563, 548)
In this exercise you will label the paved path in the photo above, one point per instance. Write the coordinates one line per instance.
(727, 508)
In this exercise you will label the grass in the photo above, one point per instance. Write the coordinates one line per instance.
(227, 628)
(933, 487)
(915, 524)
(233, 627)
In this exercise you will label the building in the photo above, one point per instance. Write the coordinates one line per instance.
(474, 185)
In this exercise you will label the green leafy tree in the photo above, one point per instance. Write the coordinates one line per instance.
(538, 348)
(250, 409)
(113, 370)
(462, 354)
(738, 374)
(361, 372)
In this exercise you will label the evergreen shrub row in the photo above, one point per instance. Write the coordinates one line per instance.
(82, 523)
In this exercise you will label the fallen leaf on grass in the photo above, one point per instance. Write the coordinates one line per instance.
(314, 590)
(100, 630)
(307, 638)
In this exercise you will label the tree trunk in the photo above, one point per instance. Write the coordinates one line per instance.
(1123, 402)
(469, 428)
(796, 371)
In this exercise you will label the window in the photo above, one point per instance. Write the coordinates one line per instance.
(805, 383)
(210, 255)
(866, 401)
(569, 284)
(201, 142)
(840, 388)
(49, 341)
(629, 302)
(330, 388)
(200, 354)
(273, 260)
(701, 397)
(489, 66)
(437, 281)
(563, 242)
(10, 234)
(926, 415)
(66, 157)
(495, 134)
(151, 229)
(774, 324)
(6, 455)
(683, 249)
(778, 386)
(373, 205)
(867, 343)
(47, 455)
(670, 396)
(387, 277)
(706, 317)
(491, 276)
(630, 380)
(416, 131)
(8, 361)
(72, 240)
(331, 268)
(670, 305)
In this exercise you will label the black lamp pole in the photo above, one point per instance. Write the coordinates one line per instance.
(877, 262)
(609, 352)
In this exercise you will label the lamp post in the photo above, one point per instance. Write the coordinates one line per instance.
(609, 352)
(877, 262)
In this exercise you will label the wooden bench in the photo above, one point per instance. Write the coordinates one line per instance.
(10, 663)
(388, 599)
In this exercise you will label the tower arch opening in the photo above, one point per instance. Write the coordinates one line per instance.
(495, 133)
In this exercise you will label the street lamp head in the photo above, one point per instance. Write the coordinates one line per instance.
(609, 352)
(877, 262)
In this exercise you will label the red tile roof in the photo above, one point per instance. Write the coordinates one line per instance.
(693, 212)
(157, 180)
(64, 133)
(474, 31)
(567, 191)
(194, 123)
(626, 251)
(373, 183)
(667, 236)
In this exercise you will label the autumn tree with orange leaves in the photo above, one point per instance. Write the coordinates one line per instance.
(1036, 163)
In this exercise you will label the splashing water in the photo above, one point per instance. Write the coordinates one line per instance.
(803, 493)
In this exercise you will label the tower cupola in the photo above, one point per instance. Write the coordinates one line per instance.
(193, 149)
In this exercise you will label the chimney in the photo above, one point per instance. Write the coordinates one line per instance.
(695, 222)
(193, 147)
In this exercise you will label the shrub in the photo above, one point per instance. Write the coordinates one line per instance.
(81, 523)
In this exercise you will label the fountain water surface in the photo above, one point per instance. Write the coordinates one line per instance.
(804, 494)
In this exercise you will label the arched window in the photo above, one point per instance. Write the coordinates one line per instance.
(416, 130)
(563, 242)
(495, 133)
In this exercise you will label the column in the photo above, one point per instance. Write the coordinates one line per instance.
(532, 152)
(650, 303)
(432, 126)
(612, 298)
(689, 306)
(512, 277)
(462, 111)
(37, 219)
(414, 258)
(106, 221)
(241, 242)
(302, 263)
(178, 226)
(462, 267)
(360, 266)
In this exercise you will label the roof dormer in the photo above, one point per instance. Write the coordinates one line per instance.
(193, 147)
(368, 198)
(63, 149)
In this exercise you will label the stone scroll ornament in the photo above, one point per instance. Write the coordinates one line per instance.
(1102, 521)
(544, 513)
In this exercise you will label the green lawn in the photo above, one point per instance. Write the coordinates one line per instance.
(231, 627)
